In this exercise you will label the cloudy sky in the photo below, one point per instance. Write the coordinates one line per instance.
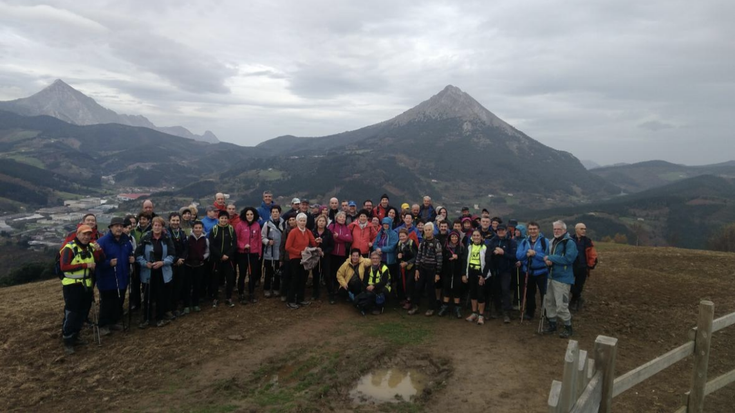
(610, 80)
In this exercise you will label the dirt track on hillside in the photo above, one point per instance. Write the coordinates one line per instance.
(264, 357)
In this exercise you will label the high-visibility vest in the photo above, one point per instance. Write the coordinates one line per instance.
(80, 257)
(374, 278)
(474, 260)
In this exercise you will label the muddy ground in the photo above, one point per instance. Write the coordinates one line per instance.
(264, 357)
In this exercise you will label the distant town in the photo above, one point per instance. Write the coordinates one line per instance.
(46, 227)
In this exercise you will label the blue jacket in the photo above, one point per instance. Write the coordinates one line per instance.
(144, 252)
(121, 249)
(389, 255)
(562, 252)
(209, 223)
(264, 212)
(413, 229)
(538, 266)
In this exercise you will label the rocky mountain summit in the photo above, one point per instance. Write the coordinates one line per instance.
(63, 102)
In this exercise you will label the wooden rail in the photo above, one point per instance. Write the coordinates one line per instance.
(589, 384)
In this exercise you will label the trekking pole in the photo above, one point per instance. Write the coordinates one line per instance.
(518, 288)
(148, 307)
(130, 296)
(543, 313)
(525, 289)
(117, 282)
(96, 317)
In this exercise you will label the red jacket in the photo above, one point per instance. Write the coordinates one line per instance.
(249, 234)
(362, 238)
(298, 241)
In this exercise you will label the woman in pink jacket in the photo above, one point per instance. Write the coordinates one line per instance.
(249, 248)
(363, 233)
(340, 253)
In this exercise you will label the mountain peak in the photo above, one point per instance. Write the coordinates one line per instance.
(453, 103)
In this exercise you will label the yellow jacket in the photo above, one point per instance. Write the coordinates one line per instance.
(345, 271)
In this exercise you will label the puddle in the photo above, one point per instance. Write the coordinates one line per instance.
(389, 386)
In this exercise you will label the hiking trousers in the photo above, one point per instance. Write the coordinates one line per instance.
(423, 286)
(111, 307)
(249, 266)
(272, 277)
(335, 261)
(192, 285)
(77, 302)
(501, 291)
(580, 277)
(556, 301)
(537, 282)
(298, 281)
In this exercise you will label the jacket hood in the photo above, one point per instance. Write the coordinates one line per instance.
(523, 230)
(387, 220)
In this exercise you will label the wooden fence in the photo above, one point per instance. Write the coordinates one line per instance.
(589, 383)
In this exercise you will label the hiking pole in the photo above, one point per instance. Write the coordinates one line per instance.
(525, 289)
(518, 288)
(130, 297)
(543, 314)
(96, 316)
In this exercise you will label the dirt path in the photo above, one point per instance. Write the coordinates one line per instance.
(267, 358)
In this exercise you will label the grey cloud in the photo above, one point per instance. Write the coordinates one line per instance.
(189, 69)
(655, 125)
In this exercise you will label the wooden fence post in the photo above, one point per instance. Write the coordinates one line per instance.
(569, 381)
(606, 349)
(701, 356)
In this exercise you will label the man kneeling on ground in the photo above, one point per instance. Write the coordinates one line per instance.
(376, 286)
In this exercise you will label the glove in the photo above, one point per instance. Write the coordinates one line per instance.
(352, 296)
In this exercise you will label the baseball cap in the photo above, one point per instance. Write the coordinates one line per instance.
(83, 228)
(295, 201)
(352, 204)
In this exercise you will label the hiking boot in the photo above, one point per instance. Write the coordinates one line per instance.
(162, 322)
(253, 299)
(104, 331)
(283, 298)
(429, 313)
(376, 312)
(407, 306)
(413, 310)
(197, 309)
(177, 313)
(276, 293)
(68, 348)
(78, 341)
(230, 303)
(567, 332)
(214, 303)
(551, 329)
(241, 298)
(472, 318)
(443, 310)
(506, 318)
(332, 300)
(186, 311)
(515, 307)
(304, 303)
(457, 312)
(292, 306)
(143, 325)
(169, 316)
(116, 327)
(574, 306)
(480, 320)
(267, 294)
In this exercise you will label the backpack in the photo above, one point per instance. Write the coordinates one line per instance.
(229, 227)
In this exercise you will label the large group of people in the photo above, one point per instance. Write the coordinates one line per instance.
(414, 257)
